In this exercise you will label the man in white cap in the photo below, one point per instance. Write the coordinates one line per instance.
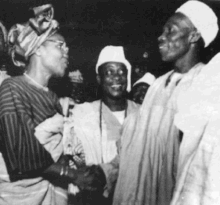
(97, 125)
(141, 86)
(150, 140)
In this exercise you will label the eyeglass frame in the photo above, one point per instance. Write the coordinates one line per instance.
(61, 44)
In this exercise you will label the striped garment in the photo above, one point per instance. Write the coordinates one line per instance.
(22, 108)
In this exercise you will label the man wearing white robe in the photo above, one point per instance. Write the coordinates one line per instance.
(150, 140)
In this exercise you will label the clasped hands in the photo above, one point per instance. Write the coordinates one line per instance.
(90, 178)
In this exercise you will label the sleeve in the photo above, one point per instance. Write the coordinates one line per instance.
(21, 150)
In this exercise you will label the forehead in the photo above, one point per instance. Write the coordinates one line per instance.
(179, 20)
(140, 86)
(56, 36)
(114, 64)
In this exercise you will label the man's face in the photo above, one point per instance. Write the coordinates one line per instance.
(138, 92)
(174, 41)
(113, 79)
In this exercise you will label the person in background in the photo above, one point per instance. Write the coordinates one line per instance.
(31, 119)
(3, 53)
(78, 86)
(97, 125)
(140, 87)
(150, 140)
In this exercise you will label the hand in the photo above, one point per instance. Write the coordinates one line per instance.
(90, 178)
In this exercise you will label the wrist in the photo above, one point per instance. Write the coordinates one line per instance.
(67, 173)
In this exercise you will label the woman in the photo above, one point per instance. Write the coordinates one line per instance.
(31, 120)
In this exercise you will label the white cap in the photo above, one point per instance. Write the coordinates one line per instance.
(115, 54)
(202, 17)
(147, 78)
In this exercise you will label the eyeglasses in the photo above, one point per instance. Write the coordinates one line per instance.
(60, 44)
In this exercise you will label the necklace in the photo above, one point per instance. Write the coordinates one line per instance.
(36, 83)
(100, 125)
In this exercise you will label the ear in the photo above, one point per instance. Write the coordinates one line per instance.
(38, 51)
(98, 78)
(194, 37)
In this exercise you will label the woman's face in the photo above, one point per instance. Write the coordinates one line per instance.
(174, 41)
(113, 79)
(55, 55)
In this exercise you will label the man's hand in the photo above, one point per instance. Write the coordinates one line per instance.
(90, 178)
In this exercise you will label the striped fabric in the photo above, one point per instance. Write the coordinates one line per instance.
(22, 108)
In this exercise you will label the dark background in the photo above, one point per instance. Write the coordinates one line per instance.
(89, 25)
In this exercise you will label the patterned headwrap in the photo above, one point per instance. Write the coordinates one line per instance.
(4, 36)
(25, 39)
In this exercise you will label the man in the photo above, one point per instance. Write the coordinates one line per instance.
(150, 141)
(140, 87)
(97, 125)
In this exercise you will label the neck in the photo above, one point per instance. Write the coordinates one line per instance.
(115, 104)
(189, 61)
(38, 75)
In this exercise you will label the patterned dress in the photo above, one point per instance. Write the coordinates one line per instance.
(22, 158)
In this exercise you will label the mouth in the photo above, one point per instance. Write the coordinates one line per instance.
(162, 46)
(116, 86)
(66, 60)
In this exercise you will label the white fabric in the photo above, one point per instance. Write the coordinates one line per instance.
(150, 146)
(3, 76)
(85, 120)
(202, 17)
(98, 146)
(147, 78)
(201, 100)
(198, 176)
(114, 54)
(120, 115)
(49, 134)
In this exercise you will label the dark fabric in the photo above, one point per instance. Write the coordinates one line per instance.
(91, 180)
(22, 108)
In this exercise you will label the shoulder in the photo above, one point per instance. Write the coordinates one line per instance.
(13, 83)
(163, 77)
(85, 109)
(133, 105)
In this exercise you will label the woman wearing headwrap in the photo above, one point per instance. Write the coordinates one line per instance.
(31, 120)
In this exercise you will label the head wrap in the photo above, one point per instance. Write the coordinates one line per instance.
(25, 39)
(148, 78)
(115, 54)
(4, 36)
(203, 18)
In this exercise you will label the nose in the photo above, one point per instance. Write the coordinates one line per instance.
(116, 76)
(65, 49)
(161, 38)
